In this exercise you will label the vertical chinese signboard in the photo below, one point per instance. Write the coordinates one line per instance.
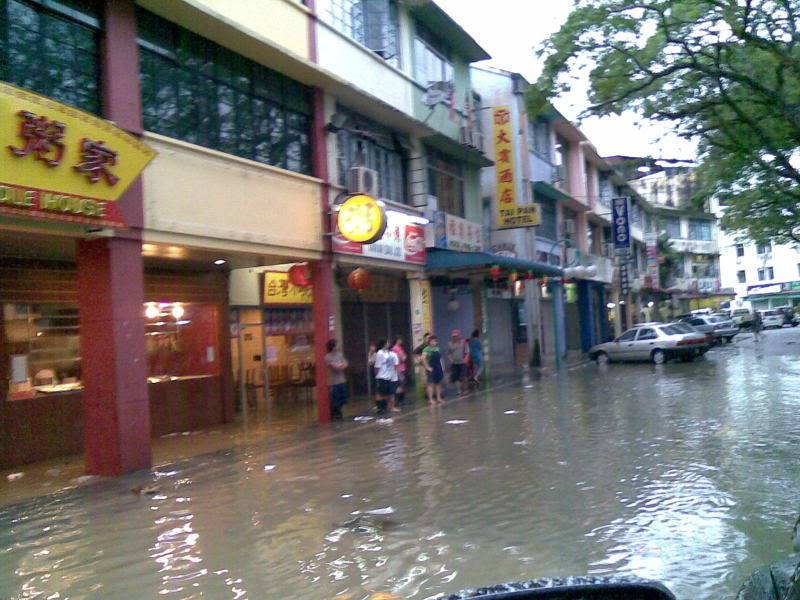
(60, 163)
(510, 214)
(651, 243)
(621, 229)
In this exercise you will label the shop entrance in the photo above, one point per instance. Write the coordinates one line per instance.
(272, 353)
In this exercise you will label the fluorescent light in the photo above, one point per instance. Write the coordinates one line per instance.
(220, 261)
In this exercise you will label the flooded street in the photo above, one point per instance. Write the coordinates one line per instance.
(684, 473)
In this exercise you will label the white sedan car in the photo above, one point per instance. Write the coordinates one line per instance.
(657, 343)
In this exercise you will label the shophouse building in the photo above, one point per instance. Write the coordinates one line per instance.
(180, 305)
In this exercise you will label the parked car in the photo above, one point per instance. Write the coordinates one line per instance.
(741, 317)
(658, 343)
(719, 328)
(772, 318)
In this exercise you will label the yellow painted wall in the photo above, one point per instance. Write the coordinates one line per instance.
(207, 195)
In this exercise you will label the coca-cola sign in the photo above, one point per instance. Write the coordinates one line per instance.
(403, 241)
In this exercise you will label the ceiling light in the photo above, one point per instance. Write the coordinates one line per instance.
(220, 261)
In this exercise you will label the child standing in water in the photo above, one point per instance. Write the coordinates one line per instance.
(432, 360)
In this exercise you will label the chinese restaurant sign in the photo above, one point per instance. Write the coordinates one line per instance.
(510, 214)
(454, 233)
(652, 277)
(279, 290)
(62, 163)
(403, 241)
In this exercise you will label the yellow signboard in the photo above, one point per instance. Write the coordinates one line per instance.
(510, 214)
(59, 160)
(361, 219)
(279, 290)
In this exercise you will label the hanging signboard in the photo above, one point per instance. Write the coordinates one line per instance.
(279, 290)
(60, 163)
(403, 241)
(510, 214)
(454, 233)
(621, 226)
(652, 276)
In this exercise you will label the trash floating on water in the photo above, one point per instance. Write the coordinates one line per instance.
(456, 422)
(82, 479)
(363, 419)
(386, 421)
(510, 412)
(269, 467)
(15, 476)
(144, 490)
(380, 511)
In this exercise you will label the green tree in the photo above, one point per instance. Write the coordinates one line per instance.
(723, 72)
(669, 260)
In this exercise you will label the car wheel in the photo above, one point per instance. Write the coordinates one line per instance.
(602, 358)
(658, 356)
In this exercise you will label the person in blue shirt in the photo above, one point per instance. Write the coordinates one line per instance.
(476, 356)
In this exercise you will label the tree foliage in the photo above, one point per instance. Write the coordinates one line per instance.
(724, 72)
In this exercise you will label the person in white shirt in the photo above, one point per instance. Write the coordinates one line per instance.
(386, 377)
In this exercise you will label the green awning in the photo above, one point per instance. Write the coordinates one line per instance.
(451, 259)
(549, 191)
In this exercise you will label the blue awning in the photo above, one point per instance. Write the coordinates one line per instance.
(451, 259)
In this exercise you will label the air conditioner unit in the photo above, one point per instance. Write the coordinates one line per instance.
(361, 180)
(568, 226)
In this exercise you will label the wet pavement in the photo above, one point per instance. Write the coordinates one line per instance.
(688, 473)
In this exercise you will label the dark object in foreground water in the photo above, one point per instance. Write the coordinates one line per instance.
(571, 588)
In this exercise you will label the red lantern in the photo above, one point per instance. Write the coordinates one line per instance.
(359, 279)
(494, 272)
(300, 275)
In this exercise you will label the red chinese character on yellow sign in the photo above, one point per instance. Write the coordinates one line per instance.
(502, 116)
(504, 156)
(43, 137)
(502, 137)
(507, 197)
(96, 158)
(506, 176)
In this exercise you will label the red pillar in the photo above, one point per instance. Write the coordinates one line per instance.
(113, 356)
(111, 285)
(324, 311)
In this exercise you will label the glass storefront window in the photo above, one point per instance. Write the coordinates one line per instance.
(42, 343)
(181, 340)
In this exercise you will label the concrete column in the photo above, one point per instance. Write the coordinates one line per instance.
(113, 356)
(324, 316)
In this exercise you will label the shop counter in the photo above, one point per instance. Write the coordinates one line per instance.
(48, 423)
(41, 427)
(184, 403)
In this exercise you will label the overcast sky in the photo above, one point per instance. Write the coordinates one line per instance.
(509, 30)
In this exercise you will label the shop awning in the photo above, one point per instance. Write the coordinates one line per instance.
(451, 259)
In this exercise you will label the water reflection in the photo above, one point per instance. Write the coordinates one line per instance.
(682, 473)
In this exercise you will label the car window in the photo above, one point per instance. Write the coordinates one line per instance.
(628, 335)
(697, 322)
(645, 333)
(673, 330)
(717, 319)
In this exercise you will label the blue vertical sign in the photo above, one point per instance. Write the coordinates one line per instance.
(621, 226)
